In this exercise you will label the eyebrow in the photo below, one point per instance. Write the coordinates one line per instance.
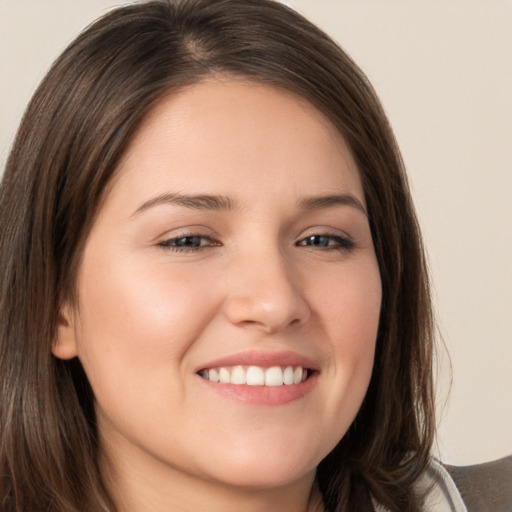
(320, 202)
(195, 202)
(226, 203)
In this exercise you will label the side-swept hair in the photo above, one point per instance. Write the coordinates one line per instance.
(65, 154)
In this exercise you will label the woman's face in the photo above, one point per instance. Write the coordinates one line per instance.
(233, 245)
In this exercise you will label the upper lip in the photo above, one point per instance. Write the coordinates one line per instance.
(261, 358)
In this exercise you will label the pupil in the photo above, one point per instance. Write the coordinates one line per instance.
(187, 241)
(318, 240)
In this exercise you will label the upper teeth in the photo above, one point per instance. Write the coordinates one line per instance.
(256, 375)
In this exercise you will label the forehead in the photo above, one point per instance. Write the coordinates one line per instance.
(240, 135)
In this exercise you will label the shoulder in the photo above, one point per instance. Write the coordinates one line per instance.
(479, 488)
(485, 487)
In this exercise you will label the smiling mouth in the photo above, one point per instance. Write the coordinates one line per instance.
(256, 375)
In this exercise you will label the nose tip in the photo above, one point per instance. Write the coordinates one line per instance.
(267, 299)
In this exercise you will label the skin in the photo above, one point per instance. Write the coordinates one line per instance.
(149, 316)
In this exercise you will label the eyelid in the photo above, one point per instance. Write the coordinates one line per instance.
(167, 240)
(344, 240)
(324, 230)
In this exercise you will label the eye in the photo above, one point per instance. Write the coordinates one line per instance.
(327, 242)
(188, 243)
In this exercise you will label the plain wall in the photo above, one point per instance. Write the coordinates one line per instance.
(443, 70)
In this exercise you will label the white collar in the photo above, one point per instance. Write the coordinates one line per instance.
(442, 494)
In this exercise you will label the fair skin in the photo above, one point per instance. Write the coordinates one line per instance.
(234, 236)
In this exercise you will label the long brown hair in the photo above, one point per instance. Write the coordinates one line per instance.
(64, 156)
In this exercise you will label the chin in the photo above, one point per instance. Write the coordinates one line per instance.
(264, 468)
(266, 476)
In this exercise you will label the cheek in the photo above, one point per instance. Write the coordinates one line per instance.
(137, 319)
(350, 313)
(349, 304)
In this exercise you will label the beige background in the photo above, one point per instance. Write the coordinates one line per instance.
(443, 69)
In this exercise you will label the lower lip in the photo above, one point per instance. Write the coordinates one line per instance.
(262, 395)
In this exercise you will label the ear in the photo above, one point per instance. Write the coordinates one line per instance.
(65, 344)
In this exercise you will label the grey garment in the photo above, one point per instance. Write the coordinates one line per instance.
(485, 487)
(479, 488)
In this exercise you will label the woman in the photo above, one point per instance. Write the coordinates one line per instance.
(214, 292)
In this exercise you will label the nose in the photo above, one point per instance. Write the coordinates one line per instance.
(264, 294)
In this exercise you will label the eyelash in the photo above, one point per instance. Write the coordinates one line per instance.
(341, 243)
(171, 243)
